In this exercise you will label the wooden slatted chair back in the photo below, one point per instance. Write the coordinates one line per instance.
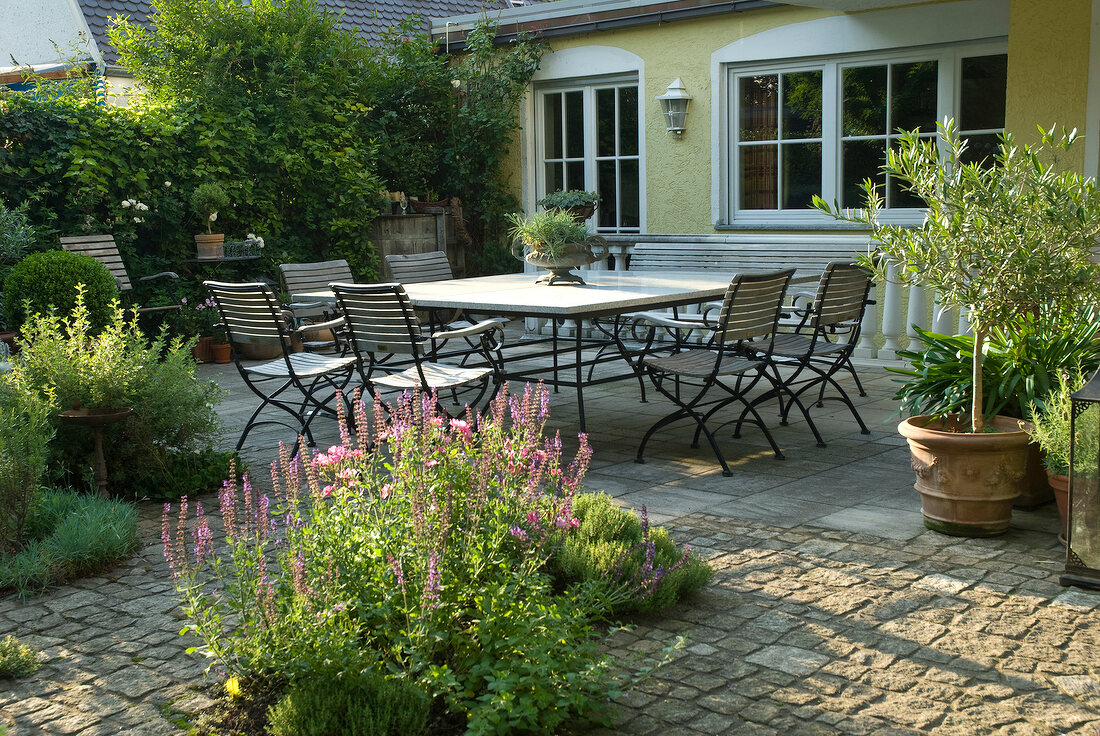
(751, 306)
(248, 311)
(841, 295)
(380, 318)
(299, 278)
(808, 259)
(417, 268)
(104, 249)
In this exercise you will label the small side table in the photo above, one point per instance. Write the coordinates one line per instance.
(97, 419)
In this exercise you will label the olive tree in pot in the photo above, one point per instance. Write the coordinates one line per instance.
(1000, 237)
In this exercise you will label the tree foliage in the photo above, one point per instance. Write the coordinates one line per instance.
(1000, 238)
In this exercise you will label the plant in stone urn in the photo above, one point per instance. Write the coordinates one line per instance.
(554, 240)
(1000, 238)
(206, 201)
(579, 203)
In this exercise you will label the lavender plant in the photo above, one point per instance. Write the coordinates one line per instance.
(416, 548)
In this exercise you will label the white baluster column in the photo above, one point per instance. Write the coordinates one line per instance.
(917, 314)
(892, 324)
(944, 321)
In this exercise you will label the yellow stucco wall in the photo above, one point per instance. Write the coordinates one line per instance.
(1048, 63)
(678, 170)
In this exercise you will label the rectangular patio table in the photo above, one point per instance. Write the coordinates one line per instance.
(605, 293)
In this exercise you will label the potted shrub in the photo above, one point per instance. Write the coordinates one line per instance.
(1000, 238)
(1050, 429)
(554, 240)
(579, 203)
(206, 201)
(1020, 370)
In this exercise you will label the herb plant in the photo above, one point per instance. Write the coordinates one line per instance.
(16, 659)
(1000, 238)
(547, 233)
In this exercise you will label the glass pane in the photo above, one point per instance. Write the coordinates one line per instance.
(864, 90)
(802, 105)
(608, 211)
(551, 113)
(1084, 496)
(758, 177)
(628, 121)
(897, 194)
(913, 95)
(982, 98)
(574, 124)
(801, 174)
(981, 147)
(860, 160)
(554, 179)
(759, 108)
(574, 175)
(630, 211)
(605, 122)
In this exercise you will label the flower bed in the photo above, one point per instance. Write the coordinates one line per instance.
(412, 558)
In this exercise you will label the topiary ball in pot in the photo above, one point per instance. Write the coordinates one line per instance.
(50, 279)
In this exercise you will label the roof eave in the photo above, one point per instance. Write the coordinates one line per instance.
(571, 17)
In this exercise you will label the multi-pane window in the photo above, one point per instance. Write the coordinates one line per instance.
(825, 128)
(590, 141)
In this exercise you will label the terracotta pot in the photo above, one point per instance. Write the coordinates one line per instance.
(221, 352)
(209, 246)
(967, 482)
(1060, 485)
(201, 350)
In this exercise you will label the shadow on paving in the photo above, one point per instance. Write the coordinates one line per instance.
(832, 610)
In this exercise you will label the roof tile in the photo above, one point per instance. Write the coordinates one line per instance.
(370, 18)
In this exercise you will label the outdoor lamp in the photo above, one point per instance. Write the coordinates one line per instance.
(675, 103)
(1083, 524)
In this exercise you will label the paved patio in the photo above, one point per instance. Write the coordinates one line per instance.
(833, 610)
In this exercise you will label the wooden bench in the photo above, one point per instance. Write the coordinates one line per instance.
(103, 249)
(808, 257)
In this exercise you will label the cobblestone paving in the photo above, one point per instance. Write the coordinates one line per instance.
(812, 625)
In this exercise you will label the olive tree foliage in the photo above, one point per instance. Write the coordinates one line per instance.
(1014, 235)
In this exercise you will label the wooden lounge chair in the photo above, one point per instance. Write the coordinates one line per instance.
(103, 249)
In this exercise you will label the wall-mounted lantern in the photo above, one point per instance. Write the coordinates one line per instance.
(675, 103)
(1083, 524)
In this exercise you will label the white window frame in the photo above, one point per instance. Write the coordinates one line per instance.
(588, 88)
(892, 32)
(949, 67)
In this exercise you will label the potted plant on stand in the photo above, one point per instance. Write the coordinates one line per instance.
(577, 202)
(207, 200)
(1000, 238)
(554, 240)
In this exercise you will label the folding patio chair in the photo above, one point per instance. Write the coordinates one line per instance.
(382, 326)
(822, 344)
(252, 311)
(103, 249)
(299, 278)
(727, 363)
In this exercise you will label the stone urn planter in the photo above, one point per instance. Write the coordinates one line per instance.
(561, 264)
(967, 482)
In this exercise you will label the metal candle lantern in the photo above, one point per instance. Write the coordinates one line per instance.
(1083, 525)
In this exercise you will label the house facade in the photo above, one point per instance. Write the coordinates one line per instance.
(788, 99)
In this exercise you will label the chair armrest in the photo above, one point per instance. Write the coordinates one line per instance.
(305, 305)
(480, 327)
(328, 325)
(663, 320)
(170, 274)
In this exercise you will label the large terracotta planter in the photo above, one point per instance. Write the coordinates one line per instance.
(1037, 490)
(221, 352)
(201, 349)
(1060, 485)
(210, 246)
(967, 482)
